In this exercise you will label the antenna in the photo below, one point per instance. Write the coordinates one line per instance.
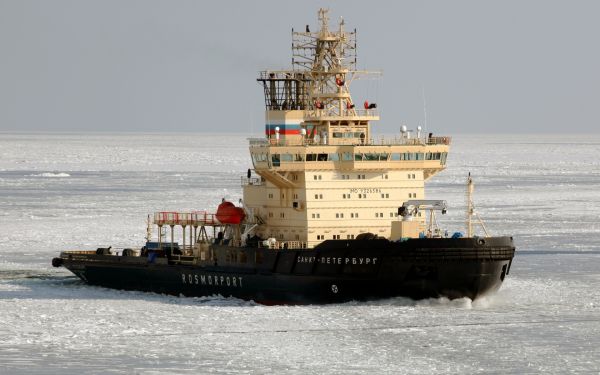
(424, 108)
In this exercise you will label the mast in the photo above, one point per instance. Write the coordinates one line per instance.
(469, 206)
(471, 210)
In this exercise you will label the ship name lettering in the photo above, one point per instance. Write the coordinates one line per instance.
(201, 279)
(337, 260)
(359, 261)
(303, 259)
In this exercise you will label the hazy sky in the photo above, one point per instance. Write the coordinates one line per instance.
(486, 67)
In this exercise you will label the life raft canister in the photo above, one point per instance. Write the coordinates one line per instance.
(318, 104)
(228, 213)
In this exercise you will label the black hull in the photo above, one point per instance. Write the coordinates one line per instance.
(335, 271)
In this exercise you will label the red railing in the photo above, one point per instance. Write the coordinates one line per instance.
(185, 218)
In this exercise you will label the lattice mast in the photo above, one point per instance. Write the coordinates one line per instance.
(328, 58)
(323, 66)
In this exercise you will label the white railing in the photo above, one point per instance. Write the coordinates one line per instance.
(396, 141)
(254, 181)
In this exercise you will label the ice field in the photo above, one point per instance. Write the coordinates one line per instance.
(83, 191)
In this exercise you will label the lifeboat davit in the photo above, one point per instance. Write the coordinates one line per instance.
(228, 213)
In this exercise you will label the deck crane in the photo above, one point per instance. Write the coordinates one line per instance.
(411, 208)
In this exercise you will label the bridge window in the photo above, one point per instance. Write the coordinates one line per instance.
(347, 156)
(275, 159)
(259, 157)
(334, 157)
(287, 157)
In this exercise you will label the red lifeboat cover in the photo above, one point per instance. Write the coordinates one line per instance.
(228, 213)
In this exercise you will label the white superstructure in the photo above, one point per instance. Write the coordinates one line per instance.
(320, 172)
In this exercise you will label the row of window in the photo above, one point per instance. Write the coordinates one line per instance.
(281, 215)
(320, 237)
(282, 196)
(354, 215)
(346, 196)
(363, 177)
(364, 196)
(340, 215)
(359, 176)
(276, 159)
(335, 237)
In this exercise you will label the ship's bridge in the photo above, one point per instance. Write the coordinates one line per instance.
(273, 158)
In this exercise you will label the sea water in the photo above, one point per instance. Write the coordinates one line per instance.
(82, 191)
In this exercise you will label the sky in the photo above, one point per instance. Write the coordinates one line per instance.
(191, 66)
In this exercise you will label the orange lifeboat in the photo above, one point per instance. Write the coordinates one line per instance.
(228, 213)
